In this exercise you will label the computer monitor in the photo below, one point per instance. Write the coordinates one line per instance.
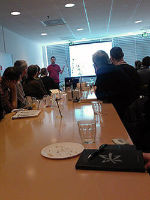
(71, 82)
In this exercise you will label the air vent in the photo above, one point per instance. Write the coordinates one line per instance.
(53, 22)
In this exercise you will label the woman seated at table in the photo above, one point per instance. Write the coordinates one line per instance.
(8, 89)
(33, 87)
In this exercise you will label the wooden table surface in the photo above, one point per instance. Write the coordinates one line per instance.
(26, 175)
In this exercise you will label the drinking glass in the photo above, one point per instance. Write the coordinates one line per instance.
(87, 131)
(97, 108)
(35, 103)
(29, 101)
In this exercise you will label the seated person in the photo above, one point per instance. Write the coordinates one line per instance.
(9, 91)
(112, 83)
(21, 66)
(33, 87)
(47, 81)
(38, 78)
(39, 72)
(1, 104)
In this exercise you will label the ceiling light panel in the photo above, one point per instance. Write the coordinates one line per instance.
(69, 5)
(138, 21)
(80, 29)
(15, 13)
(43, 34)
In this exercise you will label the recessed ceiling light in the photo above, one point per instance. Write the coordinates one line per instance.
(80, 29)
(15, 13)
(138, 21)
(43, 34)
(69, 5)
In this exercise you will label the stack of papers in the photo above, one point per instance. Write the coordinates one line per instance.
(26, 113)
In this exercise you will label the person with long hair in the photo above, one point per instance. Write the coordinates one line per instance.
(9, 91)
(21, 67)
(32, 86)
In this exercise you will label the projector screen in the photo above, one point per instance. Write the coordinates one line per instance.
(81, 57)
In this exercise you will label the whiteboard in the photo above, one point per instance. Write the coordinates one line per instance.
(5, 61)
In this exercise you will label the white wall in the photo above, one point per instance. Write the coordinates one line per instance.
(20, 47)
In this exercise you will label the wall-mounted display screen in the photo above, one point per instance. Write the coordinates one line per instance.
(81, 57)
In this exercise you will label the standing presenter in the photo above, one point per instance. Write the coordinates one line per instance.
(54, 70)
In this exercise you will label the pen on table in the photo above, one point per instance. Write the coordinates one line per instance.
(92, 155)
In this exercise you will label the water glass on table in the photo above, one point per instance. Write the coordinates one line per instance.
(84, 95)
(97, 108)
(35, 103)
(47, 100)
(28, 100)
(87, 131)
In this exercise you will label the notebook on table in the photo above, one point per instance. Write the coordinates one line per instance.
(113, 158)
(26, 113)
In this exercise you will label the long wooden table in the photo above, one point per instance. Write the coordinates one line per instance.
(26, 175)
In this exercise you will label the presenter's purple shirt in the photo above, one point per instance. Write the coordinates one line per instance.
(54, 72)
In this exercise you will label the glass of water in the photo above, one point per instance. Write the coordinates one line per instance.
(97, 108)
(87, 131)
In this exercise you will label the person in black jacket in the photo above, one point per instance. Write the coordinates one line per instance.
(144, 74)
(117, 58)
(32, 86)
(112, 83)
(47, 81)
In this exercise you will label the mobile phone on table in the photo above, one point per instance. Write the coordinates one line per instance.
(120, 141)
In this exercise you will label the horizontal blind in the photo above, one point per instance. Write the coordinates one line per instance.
(134, 47)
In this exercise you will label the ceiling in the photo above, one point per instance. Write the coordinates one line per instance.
(98, 18)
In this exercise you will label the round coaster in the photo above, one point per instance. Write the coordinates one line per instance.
(62, 150)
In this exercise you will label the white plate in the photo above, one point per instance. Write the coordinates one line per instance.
(62, 150)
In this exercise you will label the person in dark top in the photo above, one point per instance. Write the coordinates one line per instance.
(117, 58)
(9, 91)
(21, 66)
(1, 103)
(32, 86)
(47, 81)
(138, 64)
(112, 83)
(144, 74)
(39, 72)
